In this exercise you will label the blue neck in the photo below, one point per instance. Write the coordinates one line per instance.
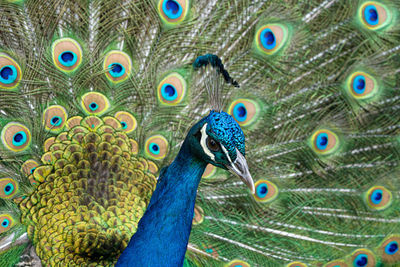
(163, 232)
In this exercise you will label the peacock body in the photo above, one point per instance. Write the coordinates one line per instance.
(96, 97)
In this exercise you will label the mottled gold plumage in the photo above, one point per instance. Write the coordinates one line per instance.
(93, 189)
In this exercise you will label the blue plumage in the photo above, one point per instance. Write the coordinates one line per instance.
(163, 231)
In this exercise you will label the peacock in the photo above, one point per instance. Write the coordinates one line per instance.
(124, 124)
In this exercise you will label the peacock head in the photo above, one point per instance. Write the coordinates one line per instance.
(218, 139)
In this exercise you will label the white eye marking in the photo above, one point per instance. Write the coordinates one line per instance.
(226, 153)
(203, 142)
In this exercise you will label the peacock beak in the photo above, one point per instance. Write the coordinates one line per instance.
(240, 168)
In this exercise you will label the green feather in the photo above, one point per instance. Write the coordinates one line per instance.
(315, 204)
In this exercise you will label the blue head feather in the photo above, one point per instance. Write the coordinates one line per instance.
(222, 127)
(225, 131)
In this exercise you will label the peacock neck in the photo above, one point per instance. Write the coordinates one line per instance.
(163, 232)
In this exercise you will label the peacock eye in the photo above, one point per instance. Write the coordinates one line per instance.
(212, 144)
(67, 54)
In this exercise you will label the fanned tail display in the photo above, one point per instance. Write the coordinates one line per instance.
(96, 97)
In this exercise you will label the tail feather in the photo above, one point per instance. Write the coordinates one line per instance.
(318, 102)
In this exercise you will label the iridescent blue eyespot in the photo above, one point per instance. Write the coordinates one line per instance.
(173, 12)
(268, 39)
(16, 136)
(168, 92)
(8, 189)
(95, 103)
(54, 118)
(172, 9)
(171, 90)
(244, 111)
(374, 15)
(240, 112)
(56, 121)
(5, 223)
(19, 138)
(265, 191)
(361, 260)
(359, 84)
(127, 120)
(29, 166)
(154, 148)
(376, 196)
(116, 70)
(8, 74)
(392, 248)
(322, 141)
(262, 190)
(67, 54)
(67, 58)
(117, 66)
(389, 251)
(93, 106)
(371, 15)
